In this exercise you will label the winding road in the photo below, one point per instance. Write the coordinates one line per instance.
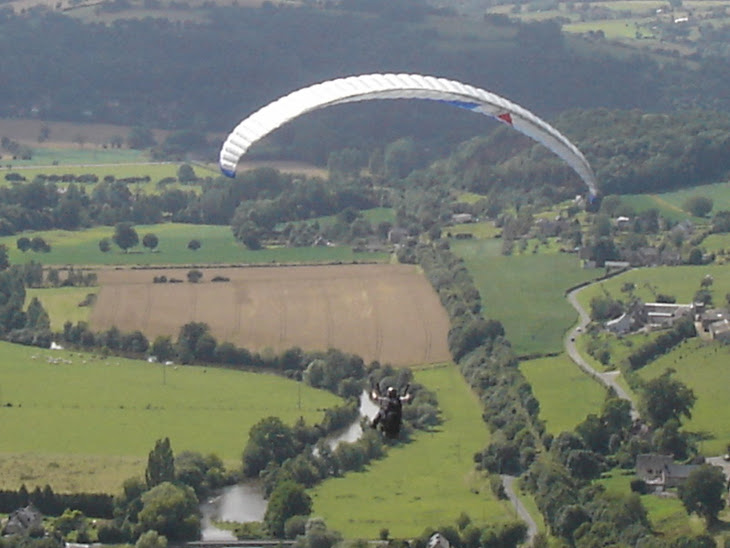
(608, 379)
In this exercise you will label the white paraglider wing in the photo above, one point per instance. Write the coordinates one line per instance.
(399, 86)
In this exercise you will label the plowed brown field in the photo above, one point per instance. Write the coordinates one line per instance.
(381, 312)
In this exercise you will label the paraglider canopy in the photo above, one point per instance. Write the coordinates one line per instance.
(399, 86)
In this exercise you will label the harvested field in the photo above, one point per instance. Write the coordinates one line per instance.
(388, 313)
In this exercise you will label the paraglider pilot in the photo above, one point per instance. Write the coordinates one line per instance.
(391, 410)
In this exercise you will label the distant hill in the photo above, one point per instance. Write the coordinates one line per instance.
(204, 67)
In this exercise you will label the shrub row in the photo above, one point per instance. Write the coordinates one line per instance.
(649, 351)
(488, 364)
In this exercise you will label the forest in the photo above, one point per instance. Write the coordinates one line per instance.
(155, 72)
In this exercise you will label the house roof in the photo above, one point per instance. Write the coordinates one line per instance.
(23, 519)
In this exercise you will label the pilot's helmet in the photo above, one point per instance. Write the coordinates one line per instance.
(392, 392)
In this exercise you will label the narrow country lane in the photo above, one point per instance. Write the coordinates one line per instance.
(524, 515)
(608, 379)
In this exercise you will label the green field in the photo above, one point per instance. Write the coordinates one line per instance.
(703, 367)
(62, 304)
(218, 247)
(118, 170)
(719, 194)
(427, 482)
(670, 204)
(612, 28)
(58, 405)
(718, 244)
(525, 292)
(76, 158)
(481, 231)
(566, 394)
(681, 282)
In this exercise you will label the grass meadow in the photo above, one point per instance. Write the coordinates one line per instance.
(480, 231)
(670, 204)
(218, 247)
(429, 481)
(525, 292)
(62, 304)
(718, 244)
(681, 282)
(566, 394)
(119, 164)
(62, 407)
(75, 158)
(703, 367)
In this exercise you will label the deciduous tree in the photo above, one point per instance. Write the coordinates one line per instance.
(162, 348)
(288, 499)
(194, 275)
(269, 440)
(172, 511)
(699, 206)
(160, 464)
(186, 174)
(665, 398)
(151, 539)
(23, 243)
(125, 236)
(150, 241)
(703, 493)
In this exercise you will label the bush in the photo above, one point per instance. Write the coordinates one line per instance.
(497, 487)
(639, 486)
(109, 533)
(295, 526)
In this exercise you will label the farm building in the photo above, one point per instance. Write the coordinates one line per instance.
(661, 472)
(397, 235)
(23, 521)
(619, 325)
(720, 331)
(712, 316)
(665, 314)
(461, 218)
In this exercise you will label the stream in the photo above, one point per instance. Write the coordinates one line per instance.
(245, 502)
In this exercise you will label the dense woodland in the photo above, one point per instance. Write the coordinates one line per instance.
(160, 73)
